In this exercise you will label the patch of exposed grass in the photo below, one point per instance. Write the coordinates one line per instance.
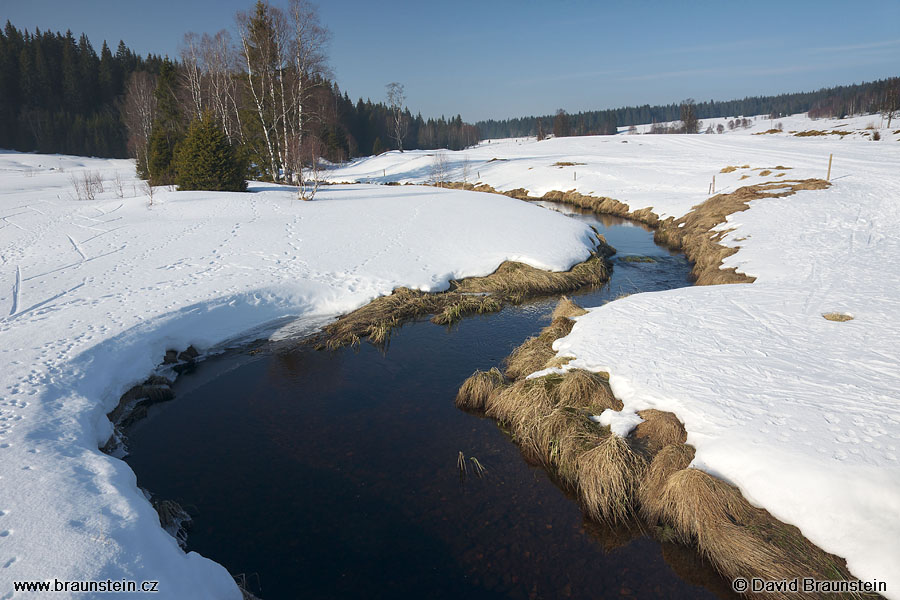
(744, 177)
(838, 317)
(567, 164)
(566, 308)
(660, 428)
(583, 389)
(819, 132)
(765, 172)
(608, 478)
(638, 259)
(510, 283)
(767, 132)
(693, 233)
(481, 385)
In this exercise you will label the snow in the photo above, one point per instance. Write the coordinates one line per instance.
(93, 293)
(801, 413)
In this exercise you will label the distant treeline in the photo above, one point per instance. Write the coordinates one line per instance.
(828, 102)
(58, 95)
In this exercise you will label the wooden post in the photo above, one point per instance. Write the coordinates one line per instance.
(828, 177)
(714, 184)
(384, 172)
(574, 175)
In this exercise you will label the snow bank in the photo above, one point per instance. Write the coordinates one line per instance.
(801, 413)
(94, 292)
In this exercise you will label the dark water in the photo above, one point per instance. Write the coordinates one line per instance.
(334, 474)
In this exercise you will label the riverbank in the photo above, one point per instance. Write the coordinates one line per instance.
(798, 411)
(97, 291)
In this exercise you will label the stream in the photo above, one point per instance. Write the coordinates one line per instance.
(334, 474)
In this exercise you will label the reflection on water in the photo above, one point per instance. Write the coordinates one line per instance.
(334, 474)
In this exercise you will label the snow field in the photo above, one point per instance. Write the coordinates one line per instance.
(92, 294)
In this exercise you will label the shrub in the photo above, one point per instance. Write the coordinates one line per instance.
(206, 161)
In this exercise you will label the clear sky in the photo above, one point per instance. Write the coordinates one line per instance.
(499, 58)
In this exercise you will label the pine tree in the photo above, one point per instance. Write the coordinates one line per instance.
(206, 161)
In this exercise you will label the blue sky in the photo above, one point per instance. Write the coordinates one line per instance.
(496, 59)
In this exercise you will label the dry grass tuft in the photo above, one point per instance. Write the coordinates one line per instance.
(481, 385)
(744, 177)
(729, 169)
(816, 132)
(739, 539)
(765, 172)
(467, 305)
(608, 476)
(767, 131)
(566, 308)
(583, 389)
(660, 429)
(537, 353)
(520, 406)
(557, 440)
(667, 461)
(515, 277)
(838, 317)
(567, 164)
(531, 356)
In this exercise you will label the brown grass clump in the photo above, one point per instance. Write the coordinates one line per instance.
(667, 461)
(744, 177)
(467, 305)
(510, 283)
(838, 317)
(739, 539)
(475, 391)
(531, 356)
(520, 406)
(608, 477)
(781, 168)
(567, 164)
(767, 132)
(560, 437)
(583, 389)
(566, 309)
(514, 277)
(660, 429)
(817, 132)
(765, 172)
(728, 169)
(692, 232)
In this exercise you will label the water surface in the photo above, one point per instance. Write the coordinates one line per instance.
(334, 474)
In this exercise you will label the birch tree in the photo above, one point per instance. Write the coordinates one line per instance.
(261, 49)
(396, 97)
(138, 112)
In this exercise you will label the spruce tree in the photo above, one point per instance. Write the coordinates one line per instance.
(166, 132)
(206, 161)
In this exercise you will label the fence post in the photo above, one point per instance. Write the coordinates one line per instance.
(828, 177)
